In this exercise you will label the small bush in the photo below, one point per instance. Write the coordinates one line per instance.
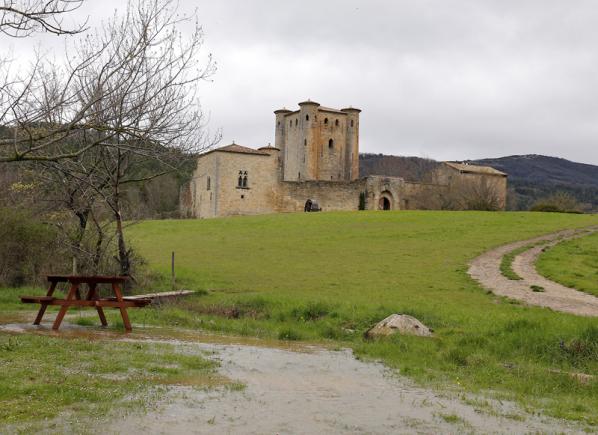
(289, 334)
(559, 202)
(312, 311)
(28, 248)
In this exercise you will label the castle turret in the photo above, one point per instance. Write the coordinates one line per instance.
(352, 149)
(309, 139)
(280, 132)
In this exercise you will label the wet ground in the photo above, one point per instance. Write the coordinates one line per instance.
(316, 391)
(300, 389)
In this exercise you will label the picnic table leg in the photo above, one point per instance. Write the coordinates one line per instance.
(63, 309)
(123, 310)
(91, 296)
(42, 310)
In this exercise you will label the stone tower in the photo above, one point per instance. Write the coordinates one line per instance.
(318, 143)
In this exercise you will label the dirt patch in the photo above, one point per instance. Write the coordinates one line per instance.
(486, 270)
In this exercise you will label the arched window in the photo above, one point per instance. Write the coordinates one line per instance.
(299, 176)
(336, 122)
(351, 123)
(240, 179)
(245, 179)
(330, 143)
(325, 120)
(307, 117)
(208, 184)
(290, 123)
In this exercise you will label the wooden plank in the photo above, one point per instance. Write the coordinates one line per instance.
(42, 309)
(36, 299)
(100, 279)
(123, 310)
(161, 295)
(65, 307)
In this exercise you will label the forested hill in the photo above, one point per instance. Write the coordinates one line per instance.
(530, 176)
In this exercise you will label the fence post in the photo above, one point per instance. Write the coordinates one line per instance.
(173, 274)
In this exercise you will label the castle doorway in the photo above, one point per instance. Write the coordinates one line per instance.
(385, 202)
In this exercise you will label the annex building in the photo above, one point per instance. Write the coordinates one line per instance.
(315, 160)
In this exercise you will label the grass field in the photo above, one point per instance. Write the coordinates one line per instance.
(44, 377)
(573, 263)
(330, 276)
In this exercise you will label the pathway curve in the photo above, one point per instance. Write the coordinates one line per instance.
(486, 270)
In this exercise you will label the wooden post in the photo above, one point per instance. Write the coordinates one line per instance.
(173, 274)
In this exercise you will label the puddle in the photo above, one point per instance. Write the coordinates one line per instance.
(299, 388)
(319, 391)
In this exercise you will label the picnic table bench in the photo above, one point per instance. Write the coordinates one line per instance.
(74, 298)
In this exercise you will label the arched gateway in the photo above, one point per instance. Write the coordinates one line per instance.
(385, 201)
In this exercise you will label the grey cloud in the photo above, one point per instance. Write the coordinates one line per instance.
(445, 79)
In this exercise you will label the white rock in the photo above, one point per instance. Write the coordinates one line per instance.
(401, 323)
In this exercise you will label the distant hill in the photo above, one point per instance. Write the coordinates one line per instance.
(531, 177)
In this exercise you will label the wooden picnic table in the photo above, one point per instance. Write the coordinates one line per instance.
(74, 298)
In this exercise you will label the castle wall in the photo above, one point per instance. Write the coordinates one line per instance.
(225, 197)
(330, 195)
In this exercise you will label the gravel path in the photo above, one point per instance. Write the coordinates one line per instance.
(486, 270)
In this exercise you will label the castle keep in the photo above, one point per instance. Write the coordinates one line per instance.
(316, 160)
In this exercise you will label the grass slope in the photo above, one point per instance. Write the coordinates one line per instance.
(573, 263)
(332, 275)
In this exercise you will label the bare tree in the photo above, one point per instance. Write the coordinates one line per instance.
(134, 81)
(126, 111)
(21, 18)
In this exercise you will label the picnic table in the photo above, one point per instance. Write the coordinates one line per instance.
(75, 298)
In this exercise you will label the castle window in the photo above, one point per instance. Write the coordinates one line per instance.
(351, 123)
(291, 123)
(296, 121)
(330, 143)
(299, 176)
(336, 122)
(307, 117)
(240, 179)
(208, 184)
(245, 179)
(325, 120)
(305, 142)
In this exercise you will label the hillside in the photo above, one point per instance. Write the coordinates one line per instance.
(530, 176)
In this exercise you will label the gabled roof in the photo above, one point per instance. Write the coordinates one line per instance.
(474, 169)
(234, 148)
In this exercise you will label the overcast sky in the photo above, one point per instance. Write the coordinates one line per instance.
(434, 78)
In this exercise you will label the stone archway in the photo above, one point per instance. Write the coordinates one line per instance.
(385, 201)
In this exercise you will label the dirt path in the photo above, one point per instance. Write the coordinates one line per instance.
(300, 389)
(486, 270)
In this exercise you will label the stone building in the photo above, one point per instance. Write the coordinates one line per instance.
(316, 159)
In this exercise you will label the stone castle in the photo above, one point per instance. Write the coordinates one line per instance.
(315, 161)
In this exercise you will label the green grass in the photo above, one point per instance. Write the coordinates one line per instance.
(45, 377)
(330, 276)
(573, 263)
(506, 264)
